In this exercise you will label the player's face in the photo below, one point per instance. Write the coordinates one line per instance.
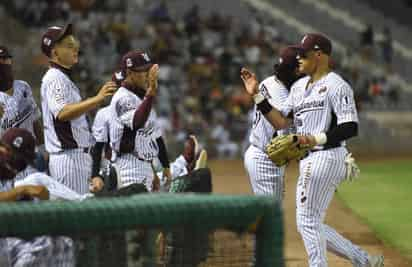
(6, 172)
(308, 62)
(67, 51)
(5, 61)
(139, 78)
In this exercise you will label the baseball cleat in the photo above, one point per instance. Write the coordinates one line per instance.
(375, 261)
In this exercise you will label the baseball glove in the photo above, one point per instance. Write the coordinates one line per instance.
(285, 148)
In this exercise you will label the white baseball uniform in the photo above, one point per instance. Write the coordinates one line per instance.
(101, 125)
(21, 110)
(4, 254)
(317, 108)
(134, 167)
(177, 168)
(67, 142)
(100, 132)
(49, 251)
(265, 177)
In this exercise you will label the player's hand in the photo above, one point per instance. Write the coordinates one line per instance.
(307, 140)
(108, 89)
(1, 111)
(168, 175)
(156, 183)
(249, 81)
(34, 191)
(152, 80)
(96, 185)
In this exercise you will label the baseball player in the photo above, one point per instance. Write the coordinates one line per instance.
(192, 158)
(324, 115)
(56, 251)
(17, 105)
(67, 134)
(265, 177)
(134, 134)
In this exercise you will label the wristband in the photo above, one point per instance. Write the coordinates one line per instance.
(321, 139)
(258, 98)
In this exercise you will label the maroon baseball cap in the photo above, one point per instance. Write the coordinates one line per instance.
(288, 56)
(4, 52)
(21, 141)
(53, 35)
(136, 61)
(316, 41)
(118, 77)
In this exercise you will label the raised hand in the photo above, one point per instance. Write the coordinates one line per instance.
(152, 80)
(249, 81)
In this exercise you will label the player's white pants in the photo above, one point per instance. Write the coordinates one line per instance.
(73, 168)
(320, 174)
(131, 170)
(36, 252)
(265, 177)
(4, 254)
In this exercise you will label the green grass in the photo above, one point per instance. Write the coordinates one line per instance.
(382, 197)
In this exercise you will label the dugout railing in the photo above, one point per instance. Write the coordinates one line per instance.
(259, 217)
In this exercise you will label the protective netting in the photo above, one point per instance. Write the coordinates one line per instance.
(152, 230)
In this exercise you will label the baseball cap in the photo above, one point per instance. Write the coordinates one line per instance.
(21, 141)
(53, 35)
(118, 77)
(136, 61)
(4, 52)
(316, 41)
(288, 57)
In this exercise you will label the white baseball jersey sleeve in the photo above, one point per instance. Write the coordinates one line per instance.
(101, 125)
(177, 168)
(262, 131)
(21, 109)
(123, 106)
(57, 190)
(57, 90)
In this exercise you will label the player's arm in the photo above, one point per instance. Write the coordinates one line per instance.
(74, 110)
(96, 154)
(136, 118)
(18, 192)
(274, 116)
(163, 157)
(142, 113)
(38, 131)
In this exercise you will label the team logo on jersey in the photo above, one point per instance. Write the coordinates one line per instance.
(323, 89)
(18, 141)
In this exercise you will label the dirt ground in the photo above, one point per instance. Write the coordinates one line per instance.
(229, 177)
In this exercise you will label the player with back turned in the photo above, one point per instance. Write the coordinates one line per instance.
(265, 177)
(325, 115)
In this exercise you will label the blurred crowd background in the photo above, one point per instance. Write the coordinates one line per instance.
(201, 46)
